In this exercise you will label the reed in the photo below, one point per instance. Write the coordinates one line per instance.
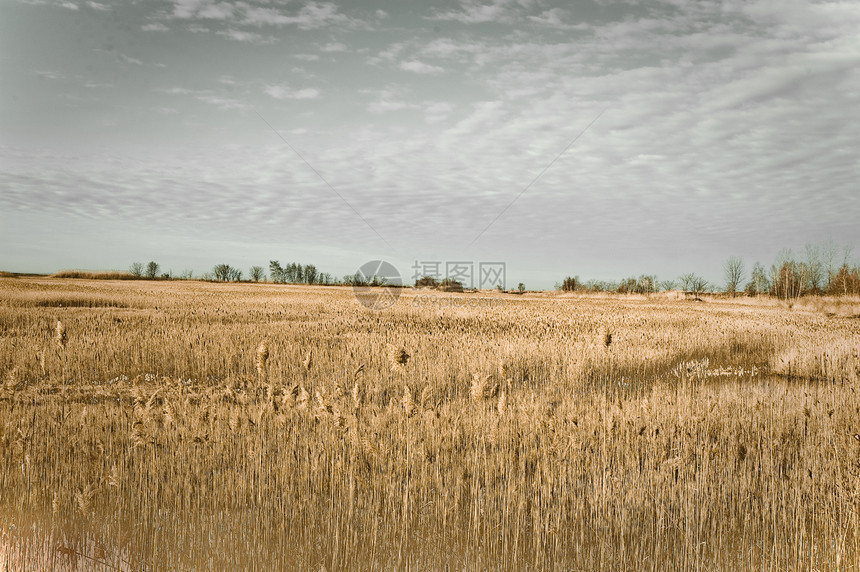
(550, 433)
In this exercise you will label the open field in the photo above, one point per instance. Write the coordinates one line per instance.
(187, 425)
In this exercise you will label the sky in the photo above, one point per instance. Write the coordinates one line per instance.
(593, 138)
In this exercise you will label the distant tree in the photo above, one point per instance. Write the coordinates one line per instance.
(699, 285)
(686, 280)
(570, 284)
(221, 272)
(693, 283)
(521, 287)
(152, 269)
(257, 273)
(646, 284)
(789, 278)
(667, 285)
(136, 269)
(451, 285)
(311, 274)
(226, 273)
(733, 270)
(427, 282)
(356, 279)
(626, 286)
(846, 281)
(276, 272)
(759, 283)
(815, 269)
(828, 256)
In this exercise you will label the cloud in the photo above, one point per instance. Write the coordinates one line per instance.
(176, 91)
(203, 9)
(208, 96)
(154, 27)
(557, 18)
(437, 111)
(130, 60)
(283, 92)
(311, 16)
(387, 105)
(473, 12)
(416, 66)
(221, 102)
(98, 6)
(49, 74)
(727, 123)
(334, 47)
(249, 37)
(390, 98)
(69, 5)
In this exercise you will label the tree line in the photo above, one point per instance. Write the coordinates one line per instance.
(295, 273)
(819, 269)
(292, 273)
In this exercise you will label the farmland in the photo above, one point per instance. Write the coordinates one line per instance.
(149, 425)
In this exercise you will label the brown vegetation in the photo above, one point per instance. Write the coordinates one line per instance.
(87, 275)
(191, 425)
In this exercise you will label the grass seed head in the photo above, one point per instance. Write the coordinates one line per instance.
(408, 402)
(262, 358)
(60, 335)
(397, 357)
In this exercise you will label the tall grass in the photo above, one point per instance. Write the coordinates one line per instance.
(208, 426)
(90, 275)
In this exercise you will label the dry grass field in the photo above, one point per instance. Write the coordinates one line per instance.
(196, 426)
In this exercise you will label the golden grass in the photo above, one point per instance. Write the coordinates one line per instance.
(240, 426)
(99, 275)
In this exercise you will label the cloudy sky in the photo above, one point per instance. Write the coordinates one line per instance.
(594, 137)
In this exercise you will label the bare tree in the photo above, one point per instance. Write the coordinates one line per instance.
(847, 251)
(226, 273)
(699, 285)
(276, 272)
(814, 268)
(152, 269)
(828, 257)
(667, 285)
(136, 269)
(733, 269)
(693, 283)
(257, 273)
(686, 280)
(759, 283)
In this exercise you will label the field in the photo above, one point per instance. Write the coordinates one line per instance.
(196, 426)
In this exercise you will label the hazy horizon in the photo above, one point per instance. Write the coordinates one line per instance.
(198, 132)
